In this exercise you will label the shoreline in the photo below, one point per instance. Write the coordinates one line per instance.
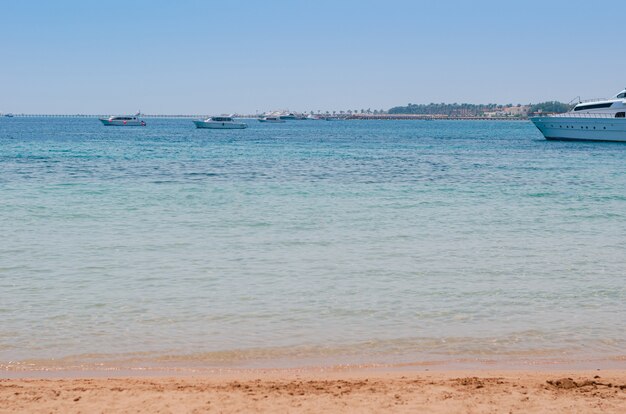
(15, 370)
(363, 390)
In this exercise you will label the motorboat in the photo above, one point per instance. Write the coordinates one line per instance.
(595, 120)
(272, 119)
(290, 116)
(220, 122)
(9, 115)
(123, 121)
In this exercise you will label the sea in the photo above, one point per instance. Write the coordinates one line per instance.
(308, 243)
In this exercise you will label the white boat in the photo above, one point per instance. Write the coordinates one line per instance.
(123, 121)
(288, 116)
(597, 120)
(220, 122)
(272, 119)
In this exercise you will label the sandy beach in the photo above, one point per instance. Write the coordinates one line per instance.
(597, 391)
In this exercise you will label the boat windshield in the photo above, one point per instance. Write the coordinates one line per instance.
(587, 107)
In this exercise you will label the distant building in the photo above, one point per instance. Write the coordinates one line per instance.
(511, 111)
(516, 110)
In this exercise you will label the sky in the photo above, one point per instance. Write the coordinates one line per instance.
(233, 56)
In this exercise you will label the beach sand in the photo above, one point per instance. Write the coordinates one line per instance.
(316, 391)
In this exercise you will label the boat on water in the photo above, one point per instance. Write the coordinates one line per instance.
(9, 115)
(290, 116)
(596, 120)
(220, 122)
(123, 121)
(272, 119)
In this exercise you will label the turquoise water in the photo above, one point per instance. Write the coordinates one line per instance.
(324, 242)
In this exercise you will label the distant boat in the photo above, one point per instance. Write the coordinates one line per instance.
(272, 119)
(9, 115)
(598, 120)
(220, 122)
(123, 121)
(313, 117)
(288, 116)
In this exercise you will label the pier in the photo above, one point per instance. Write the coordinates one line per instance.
(107, 115)
(395, 117)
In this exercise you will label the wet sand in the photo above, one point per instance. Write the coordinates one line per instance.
(314, 391)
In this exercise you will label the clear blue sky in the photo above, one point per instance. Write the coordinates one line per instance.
(241, 56)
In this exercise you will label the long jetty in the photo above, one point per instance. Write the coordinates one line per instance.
(105, 116)
(423, 117)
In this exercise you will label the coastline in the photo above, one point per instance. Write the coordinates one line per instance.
(239, 362)
(337, 389)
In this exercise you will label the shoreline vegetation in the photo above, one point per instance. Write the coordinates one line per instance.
(466, 110)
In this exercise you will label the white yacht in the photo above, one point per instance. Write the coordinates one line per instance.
(597, 120)
(123, 121)
(220, 122)
(288, 116)
(272, 119)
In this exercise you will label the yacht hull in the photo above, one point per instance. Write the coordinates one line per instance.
(273, 121)
(581, 129)
(219, 125)
(109, 122)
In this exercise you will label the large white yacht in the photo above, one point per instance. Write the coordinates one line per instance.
(220, 122)
(123, 121)
(597, 120)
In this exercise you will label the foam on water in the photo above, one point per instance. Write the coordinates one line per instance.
(355, 240)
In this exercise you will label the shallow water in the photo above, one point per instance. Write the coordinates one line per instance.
(359, 241)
